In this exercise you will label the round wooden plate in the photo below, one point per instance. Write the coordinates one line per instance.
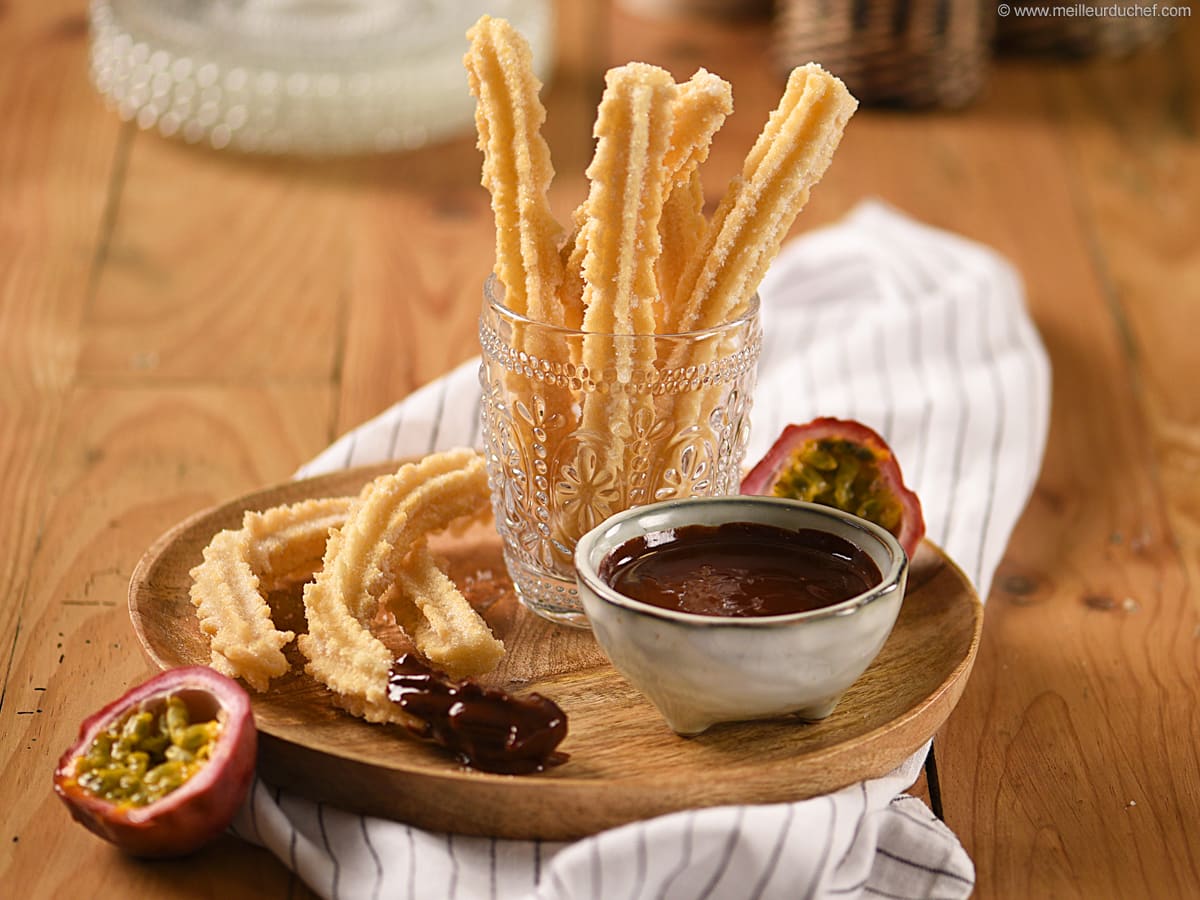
(625, 763)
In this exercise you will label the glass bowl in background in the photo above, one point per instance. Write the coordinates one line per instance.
(310, 77)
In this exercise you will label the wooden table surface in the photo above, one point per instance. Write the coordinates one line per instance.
(178, 326)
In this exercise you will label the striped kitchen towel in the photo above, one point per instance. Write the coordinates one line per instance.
(920, 334)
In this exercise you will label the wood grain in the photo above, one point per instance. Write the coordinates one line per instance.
(57, 150)
(1089, 666)
(170, 302)
(129, 463)
(625, 763)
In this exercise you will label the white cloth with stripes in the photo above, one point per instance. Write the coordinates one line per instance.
(916, 332)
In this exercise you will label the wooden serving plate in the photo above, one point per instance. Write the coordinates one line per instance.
(625, 763)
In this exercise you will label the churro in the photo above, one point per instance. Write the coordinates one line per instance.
(227, 587)
(629, 178)
(700, 108)
(703, 103)
(516, 170)
(571, 292)
(384, 525)
(287, 543)
(790, 156)
(683, 229)
(433, 612)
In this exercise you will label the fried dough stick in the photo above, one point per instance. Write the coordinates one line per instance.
(288, 542)
(629, 178)
(703, 103)
(789, 158)
(431, 610)
(572, 253)
(239, 564)
(342, 652)
(517, 170)
(683, 229)
(701, 106)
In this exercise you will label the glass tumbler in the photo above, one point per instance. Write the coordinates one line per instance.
(578, 426)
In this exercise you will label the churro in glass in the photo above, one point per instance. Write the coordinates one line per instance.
(619, 359)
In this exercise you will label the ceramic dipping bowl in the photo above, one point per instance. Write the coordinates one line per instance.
(699, 670)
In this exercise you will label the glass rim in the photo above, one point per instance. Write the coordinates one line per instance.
(748, 315)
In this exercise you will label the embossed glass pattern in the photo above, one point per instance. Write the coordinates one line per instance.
(568, 445)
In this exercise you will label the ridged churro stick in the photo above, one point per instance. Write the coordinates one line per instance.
(629, 179)
(340, 604)
(790, 156)
(683, 229)
(571, 292)
(240, 565)
(227, 593)
(439, 620)
(701, 107)
(516, 168)
(702, 104)
(289, 541)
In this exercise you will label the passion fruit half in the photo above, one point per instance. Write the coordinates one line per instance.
(844, 464)
(163, 770)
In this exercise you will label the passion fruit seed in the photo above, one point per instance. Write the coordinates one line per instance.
(144, 757)
(840, 473)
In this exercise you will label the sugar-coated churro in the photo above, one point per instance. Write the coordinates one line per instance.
(703, 103)
(516, 170)
(384, 525)
(243, 641)
(239, 564)
(683, 229)
(571, 292)
(288, 542)
(629, 178)
(394, 513)
(789, 157)
(433, 612)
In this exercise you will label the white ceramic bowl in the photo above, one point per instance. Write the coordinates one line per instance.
(700, 670)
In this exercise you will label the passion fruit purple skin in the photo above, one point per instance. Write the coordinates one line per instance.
(202, 807)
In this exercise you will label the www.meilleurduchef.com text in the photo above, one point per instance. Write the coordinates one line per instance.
(1086, 10)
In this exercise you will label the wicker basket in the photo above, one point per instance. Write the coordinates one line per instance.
(898, 52)
(1080, 35)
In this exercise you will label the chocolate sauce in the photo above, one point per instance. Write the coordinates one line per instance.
(484, 728)
(740, 569)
